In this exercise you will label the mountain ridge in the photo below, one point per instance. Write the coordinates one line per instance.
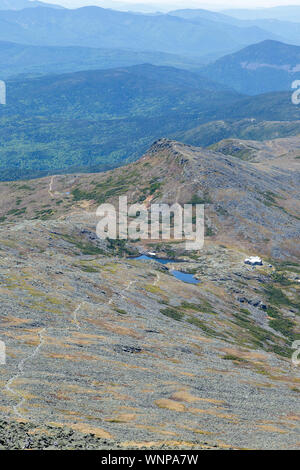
(289, 12)
(259, 68)
(19, 59)
(92, 26)
(22, 4)
(266, 184)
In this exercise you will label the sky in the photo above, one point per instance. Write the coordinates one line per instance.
(171, 4)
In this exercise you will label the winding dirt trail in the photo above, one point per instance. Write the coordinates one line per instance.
(127, 288)
(75, 319)
(157, 279)
(22, 364)
(50, 190)
(109, 302)
(21, 372)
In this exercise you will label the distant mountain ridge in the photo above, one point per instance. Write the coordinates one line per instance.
(96, 120)
(200, 14)
(286, 27)
(259, 68)
(284, 13)
(20, 59)
(22, 4)
(98, 27)
(99, 119)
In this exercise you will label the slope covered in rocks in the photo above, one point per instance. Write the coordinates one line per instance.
(107, 351)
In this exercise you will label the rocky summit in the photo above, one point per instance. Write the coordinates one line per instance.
(107, 351)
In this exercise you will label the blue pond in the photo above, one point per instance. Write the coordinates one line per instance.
(184, 277)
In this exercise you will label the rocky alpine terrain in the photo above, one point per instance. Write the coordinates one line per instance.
(106, 351)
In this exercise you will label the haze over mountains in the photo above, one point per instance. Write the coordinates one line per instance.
(19, 59)
(192, 33)
(97, 27)
(97, 120)
(259, 68)
(287, 30)
(285, 13)
(21, 4)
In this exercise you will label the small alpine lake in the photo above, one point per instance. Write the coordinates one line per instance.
(181, 276)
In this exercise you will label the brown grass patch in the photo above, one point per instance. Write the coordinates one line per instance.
(293, 417)
(156, 430)
(170, 404)
(14, 321)
(73, 357)
(248, 355)
(189, 398)
(271, 428)
(213, 413)
(119, 330)
(87, 429)
(122, 418)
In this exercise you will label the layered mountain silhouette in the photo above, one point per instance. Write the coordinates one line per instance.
(22, 4)
(259, 68)
(98, 27)
(19, 59)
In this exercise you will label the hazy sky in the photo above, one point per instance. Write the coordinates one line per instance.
(170, 4)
